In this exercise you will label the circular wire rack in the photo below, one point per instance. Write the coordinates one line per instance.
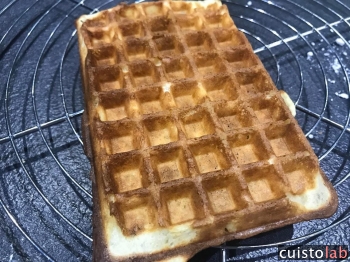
(45, 189)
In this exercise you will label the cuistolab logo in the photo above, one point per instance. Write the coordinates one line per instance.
(313, 252)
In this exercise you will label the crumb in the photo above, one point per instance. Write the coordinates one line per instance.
(249, 3)
(309, 54)
(340, 42)
(342, 95)
(311, 136)
(336, 66)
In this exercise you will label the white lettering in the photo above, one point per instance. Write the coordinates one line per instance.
(310, 251)
(281, 256)
(304, 254)
(317, 252)
(291, 255)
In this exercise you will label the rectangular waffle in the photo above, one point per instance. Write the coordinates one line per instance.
(191, 144)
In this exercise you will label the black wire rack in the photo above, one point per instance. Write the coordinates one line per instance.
(45, 190)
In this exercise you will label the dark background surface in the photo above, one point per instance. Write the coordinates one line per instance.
(45, 201)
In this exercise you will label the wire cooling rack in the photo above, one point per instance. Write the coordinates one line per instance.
(45, 191)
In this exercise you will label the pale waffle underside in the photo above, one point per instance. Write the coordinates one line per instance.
(191, 142)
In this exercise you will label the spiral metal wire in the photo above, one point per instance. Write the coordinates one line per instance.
(292, 38)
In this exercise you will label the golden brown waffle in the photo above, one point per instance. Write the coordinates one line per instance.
(190, 141)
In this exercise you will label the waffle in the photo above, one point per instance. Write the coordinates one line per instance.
(191, 143)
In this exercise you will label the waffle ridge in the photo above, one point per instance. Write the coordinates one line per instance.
(187, 129)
